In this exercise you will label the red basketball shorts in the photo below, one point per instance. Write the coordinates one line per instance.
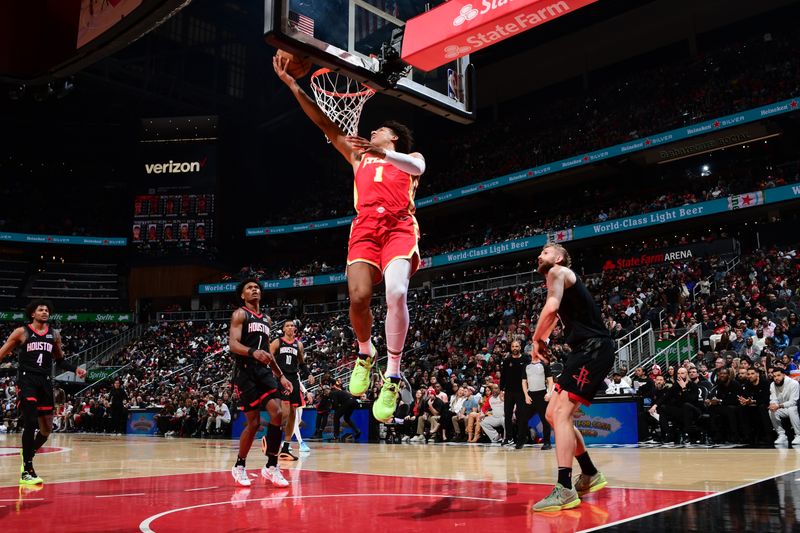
(379, 238)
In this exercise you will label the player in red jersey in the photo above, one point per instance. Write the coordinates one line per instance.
(384, 236)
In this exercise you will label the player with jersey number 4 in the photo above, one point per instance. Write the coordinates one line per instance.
(384, 236)
(39, 346)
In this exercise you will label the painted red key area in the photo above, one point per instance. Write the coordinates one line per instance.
(316, 501)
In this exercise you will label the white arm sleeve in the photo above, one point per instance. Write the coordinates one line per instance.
(413, 165)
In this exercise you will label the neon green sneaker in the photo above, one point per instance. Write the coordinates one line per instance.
(558, 500)
(30, 478)
(384, 406)
(359, 379)
(584, 484)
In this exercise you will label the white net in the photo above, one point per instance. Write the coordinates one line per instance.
(341, 98)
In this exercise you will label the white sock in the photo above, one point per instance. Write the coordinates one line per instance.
(396, 277)
(365, 347)
(298, 417)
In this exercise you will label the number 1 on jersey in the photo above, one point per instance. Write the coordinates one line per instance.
(378, 174)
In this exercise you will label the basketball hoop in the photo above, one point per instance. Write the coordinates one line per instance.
(340, 98)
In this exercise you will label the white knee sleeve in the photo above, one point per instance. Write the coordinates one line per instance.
(396, 278)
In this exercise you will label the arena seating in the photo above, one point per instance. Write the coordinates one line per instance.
(463, 338)
(616, 108)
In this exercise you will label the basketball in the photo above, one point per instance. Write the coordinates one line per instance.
(298, 66)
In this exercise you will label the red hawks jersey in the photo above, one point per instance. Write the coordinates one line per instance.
(381, 184)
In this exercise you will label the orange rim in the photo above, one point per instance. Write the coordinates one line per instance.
(318, 88)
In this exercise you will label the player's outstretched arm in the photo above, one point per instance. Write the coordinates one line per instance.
(312, 111)
(16, 338)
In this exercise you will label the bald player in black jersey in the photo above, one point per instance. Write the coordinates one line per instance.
(584, 373)
(255, 379)
(288, 353)
(39, 346)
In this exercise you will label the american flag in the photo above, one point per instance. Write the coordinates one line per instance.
(301, 23)
(368, 22)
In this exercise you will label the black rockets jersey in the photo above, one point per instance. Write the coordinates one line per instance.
(580, 315)
(255, 335)
(255, 330)
(36, 353)
(288, 356)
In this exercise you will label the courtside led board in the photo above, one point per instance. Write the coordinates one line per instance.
(457, 28)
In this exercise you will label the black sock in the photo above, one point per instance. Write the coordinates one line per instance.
(272, 460)
(286, 446)
(565, 477)
(27, 445)
(363, 356)
(274, 439)
(394, 380)
(587, 467)
(240, 461)
(38, 441)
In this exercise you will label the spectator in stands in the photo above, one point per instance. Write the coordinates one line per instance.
(617, 386)
(783, 396)
(639, 378)
(414, 417)
(218, 415)
(323, 405)
(681, 407)
(495, 417)
(723, 405)
(754, 413)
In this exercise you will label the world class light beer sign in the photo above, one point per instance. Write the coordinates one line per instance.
(457, 28)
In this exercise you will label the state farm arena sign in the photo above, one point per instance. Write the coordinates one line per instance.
(456, 28)
(682, 253)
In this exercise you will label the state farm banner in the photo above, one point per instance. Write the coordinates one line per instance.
(457, 28)
(667, 255)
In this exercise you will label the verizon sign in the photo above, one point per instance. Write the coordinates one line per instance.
(174, 167)
(459, 27)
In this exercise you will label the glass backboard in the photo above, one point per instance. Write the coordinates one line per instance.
(351, 36)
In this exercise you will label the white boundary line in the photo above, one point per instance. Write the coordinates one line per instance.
(121, 495)
(24, 500)
(200, 488)
(144, 527)
(702, 498)
(120, 478)
(545, 483)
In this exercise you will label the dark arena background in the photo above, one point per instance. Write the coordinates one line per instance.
(152, 159)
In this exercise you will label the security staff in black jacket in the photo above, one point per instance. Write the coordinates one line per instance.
(511, 382)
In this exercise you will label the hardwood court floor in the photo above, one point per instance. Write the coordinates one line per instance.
(106, 483)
